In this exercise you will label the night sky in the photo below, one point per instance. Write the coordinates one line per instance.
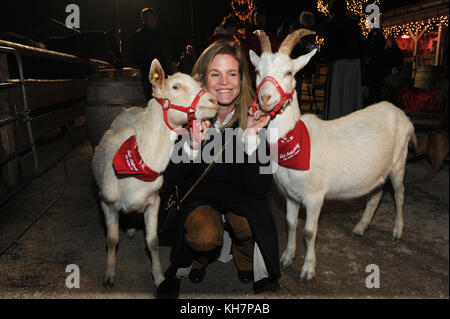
(31, 18)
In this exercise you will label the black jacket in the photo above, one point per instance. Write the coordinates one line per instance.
(235, 187)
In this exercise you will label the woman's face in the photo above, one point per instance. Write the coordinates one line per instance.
(223, 79)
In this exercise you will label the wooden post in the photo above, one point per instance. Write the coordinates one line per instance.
(416, 37)
(438, 46)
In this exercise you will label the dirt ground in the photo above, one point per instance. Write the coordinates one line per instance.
(56, 221)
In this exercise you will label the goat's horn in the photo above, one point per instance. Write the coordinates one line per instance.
(264, 40)
(292, 39)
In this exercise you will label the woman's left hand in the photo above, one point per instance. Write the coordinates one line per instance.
(256, 121)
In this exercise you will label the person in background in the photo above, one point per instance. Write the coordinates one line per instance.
(393, 57)
(374, 68)
(250, 41)
(187, 60)
(147, 45)
(226, 30)
(343, 47)
(307, 21)
(286, 27)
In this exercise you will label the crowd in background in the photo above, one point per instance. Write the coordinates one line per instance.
(357, 66)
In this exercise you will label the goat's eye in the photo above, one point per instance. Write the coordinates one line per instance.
(175, 87)
(288, 73)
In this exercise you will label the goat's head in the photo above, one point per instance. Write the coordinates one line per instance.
(181, 97)
(277, 68)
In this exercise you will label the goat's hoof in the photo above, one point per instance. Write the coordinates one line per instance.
(286, 259)
(131, 233)
(396, 235)
(307, 275)
(358, 231)
(108, 282)
(159, 280)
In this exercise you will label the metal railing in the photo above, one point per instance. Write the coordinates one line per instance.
(19, 116)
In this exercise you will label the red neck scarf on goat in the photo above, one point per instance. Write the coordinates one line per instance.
(128, 161)
(294, 149)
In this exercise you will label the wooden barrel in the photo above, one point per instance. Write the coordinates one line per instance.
(429, 77)
(322, 74)
(106, 98)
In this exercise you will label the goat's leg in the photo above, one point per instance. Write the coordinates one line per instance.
(396, 177)
(312, 216)
(133, 219)
(291, 218)
(151, 237)
(112, 238)
(371, 206)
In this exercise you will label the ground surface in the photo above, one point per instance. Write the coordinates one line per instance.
(56, 221)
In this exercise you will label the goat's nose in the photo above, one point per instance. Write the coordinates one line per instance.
(266, 98)
(212, 100)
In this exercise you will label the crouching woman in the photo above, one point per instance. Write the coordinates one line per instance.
(226, 216)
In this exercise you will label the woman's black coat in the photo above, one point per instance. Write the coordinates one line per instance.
(227, 187)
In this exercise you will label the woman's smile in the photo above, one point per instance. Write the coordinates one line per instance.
(224, 80)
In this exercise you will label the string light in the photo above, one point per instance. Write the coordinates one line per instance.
(319, 40)
(242, 8)
(430, 25)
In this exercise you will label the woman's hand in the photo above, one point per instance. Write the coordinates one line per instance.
(198, 133)
(256, 121)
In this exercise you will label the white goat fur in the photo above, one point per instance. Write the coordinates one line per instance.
(155, 147)
(128, 117)
(350, 157)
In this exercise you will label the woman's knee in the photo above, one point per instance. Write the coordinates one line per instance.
(240, 227)
(204, 229)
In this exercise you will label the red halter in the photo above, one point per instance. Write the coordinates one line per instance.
(278, 109)
(190, 110)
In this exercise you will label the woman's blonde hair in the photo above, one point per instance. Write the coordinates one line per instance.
(244, 100)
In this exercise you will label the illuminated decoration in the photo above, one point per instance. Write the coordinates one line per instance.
(242, 8)
(354, 7)
(430, 25)
(319, 40)
(322, 8)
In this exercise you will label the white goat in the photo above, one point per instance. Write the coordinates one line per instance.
(128, 117)
(350, 157)
(155, 147)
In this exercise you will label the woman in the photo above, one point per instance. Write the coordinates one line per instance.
(230, 199)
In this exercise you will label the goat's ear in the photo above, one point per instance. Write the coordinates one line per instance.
(156, 77)
(254, 58)
(301, 61)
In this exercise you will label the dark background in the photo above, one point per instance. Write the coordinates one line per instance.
(180, 21)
